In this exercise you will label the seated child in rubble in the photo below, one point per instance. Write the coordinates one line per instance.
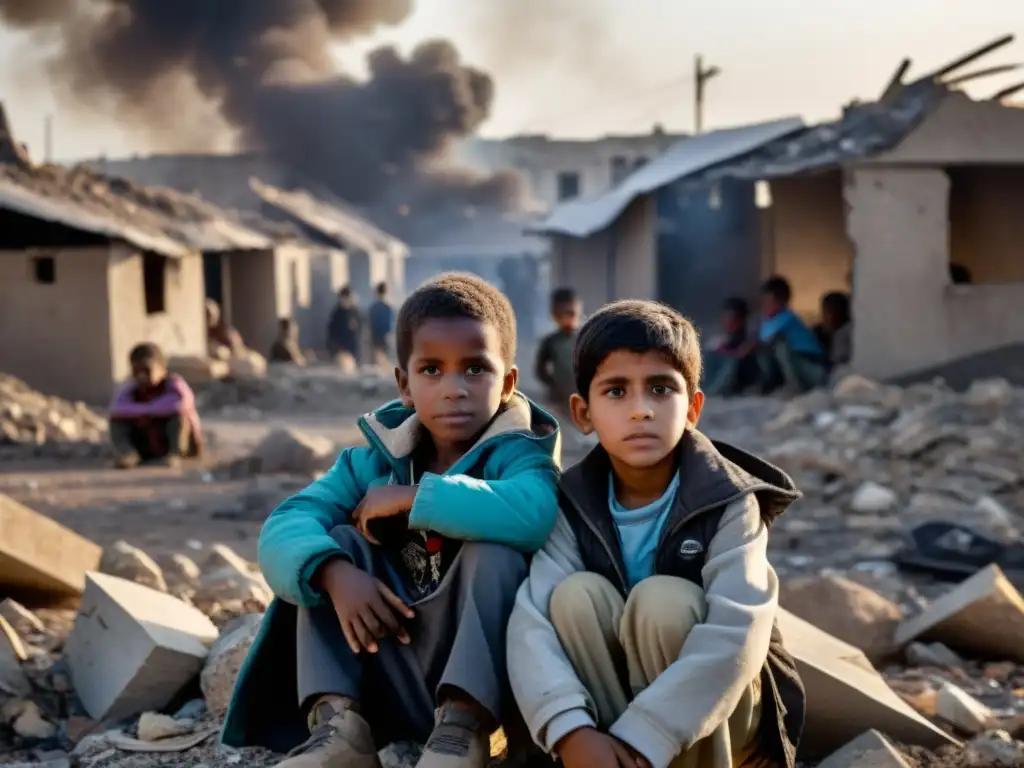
(835, 332)
(644, 634)
(396, 572)
(790, 356)
(731, 360)
(153, 417)
(285, 348)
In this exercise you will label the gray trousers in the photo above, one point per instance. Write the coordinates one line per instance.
(458, 641)
(173, 437)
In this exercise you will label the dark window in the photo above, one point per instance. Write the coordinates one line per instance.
(154, 281)
(640, 162)
(620, 168)
(44, 268)
(568, 185)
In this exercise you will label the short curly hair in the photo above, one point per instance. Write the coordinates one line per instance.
(453, 295)
(637, 326)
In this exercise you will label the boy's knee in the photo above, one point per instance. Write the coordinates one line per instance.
(664, 605)
(580, 598)
(494, 561)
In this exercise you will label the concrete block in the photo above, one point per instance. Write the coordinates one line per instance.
(39, 555)
(869, 750)
(982, 617)
(845, 694)
(133, 648)
(963, 711)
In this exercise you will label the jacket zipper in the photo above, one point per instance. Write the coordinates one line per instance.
(623, 581)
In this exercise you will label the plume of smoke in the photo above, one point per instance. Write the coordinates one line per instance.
(265, 67)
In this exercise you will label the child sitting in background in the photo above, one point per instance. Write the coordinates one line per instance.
(286, 347)
(836, 330)
(153, 417)
(395, 573)
(790, 356)
(731, 360)
(553, 365)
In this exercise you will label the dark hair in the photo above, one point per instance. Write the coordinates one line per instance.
(381, 289)
(737, 306)
(778, 288)
(147, 352)
(346, 290)
(838, 304)
(562, 296)
(637, 326)
(285, 322)
(455, 295)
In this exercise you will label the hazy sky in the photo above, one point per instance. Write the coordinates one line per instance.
(588, 67)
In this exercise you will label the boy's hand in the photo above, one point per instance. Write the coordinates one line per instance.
(367, 610)
(381, 502)
(589, 748)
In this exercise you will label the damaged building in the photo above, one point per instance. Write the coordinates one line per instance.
(890, 202)
(90, 266)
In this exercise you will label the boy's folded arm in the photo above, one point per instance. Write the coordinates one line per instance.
(517, 510)
(296, 539)
(551, 697)
(722, 655)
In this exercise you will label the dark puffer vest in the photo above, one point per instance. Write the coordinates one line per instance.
(712, 476)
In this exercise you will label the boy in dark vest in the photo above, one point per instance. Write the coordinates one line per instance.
(645, 633)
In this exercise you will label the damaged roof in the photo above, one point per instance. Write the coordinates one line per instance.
(332, 219)
(581, 218)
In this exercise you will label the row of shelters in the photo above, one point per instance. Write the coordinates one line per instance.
(880, 202)
(91, 265)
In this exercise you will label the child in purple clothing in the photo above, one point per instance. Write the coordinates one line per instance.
(153, 416)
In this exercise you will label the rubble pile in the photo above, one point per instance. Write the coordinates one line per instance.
(293, 390)
(36, 425)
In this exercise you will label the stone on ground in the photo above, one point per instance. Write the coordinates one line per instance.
(846, 695)
(132, 648)
(872, 498)
(221, 669)
(869, 750)
(290, 451)
(25, 718)
(932, 655)
(13, 680)
(198, 370)
(231, 582)
(153, 727)
(39, 555)
(23, 621)
(995, 749)
(844, 609)
(962, 711)
(982, 617)
(127, 562)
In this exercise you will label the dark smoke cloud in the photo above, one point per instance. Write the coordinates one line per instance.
(266, 68)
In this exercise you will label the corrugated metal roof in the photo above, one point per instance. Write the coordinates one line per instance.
(158, 220)
(581, 218)
(333, 219)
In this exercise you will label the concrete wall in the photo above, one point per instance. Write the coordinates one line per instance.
(254, 294)
(986, 206)
(179, 330)
(617, 263)
(807, 241)
(56, 337)
(908, 315)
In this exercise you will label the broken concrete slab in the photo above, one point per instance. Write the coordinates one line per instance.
(133, 648)
(961, 710)
(123, 560)
(983, 617)
(846, 696)
(869, 750)
(39, 555)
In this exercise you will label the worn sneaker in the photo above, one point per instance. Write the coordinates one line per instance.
(339, 738)
(128, 460)
(459, 740)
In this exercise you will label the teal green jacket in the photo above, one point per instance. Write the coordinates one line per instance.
(503, 490)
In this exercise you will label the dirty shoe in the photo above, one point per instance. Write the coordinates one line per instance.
(128, 460)
(339, 738)
(459, 740)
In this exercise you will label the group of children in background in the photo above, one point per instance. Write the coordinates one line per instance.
(449, 578)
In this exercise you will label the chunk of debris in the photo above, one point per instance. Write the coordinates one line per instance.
(154, 727)
(982, 617)
(171, 744)
(21, 618)
(39, 555)
(962, 711)
(995, 749)
(131, 563)
(181, 570)
(221, 669)
(133, 648)
(197, 371)
(229, 580)
(845, 694)
(932, 655)
(869, 750)
(844, 609)
(26, 719)
(13, 680)
(872, 498)
(290, 451)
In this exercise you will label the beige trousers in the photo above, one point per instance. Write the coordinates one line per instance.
(618, 648)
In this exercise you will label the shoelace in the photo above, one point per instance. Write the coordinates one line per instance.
(318, 738)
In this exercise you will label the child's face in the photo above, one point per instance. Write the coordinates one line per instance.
(148, 373)
(567, 315)
(770, 305)
(639, 406)
(456, 378)
(829, 319)
(732, 321)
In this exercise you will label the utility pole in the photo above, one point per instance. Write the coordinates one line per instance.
(48, 139)
(701, 76)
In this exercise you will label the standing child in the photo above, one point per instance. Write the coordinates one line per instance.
(396, 572)
(345, 330)
(382, 323)
(553, 366)
(644, 635)
(790, 355)
(153, 417)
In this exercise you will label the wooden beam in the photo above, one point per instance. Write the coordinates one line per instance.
(1010, 91)
(979, 73)
(973, 55)
(896, 81)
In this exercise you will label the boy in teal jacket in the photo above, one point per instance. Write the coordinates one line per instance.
(396, 572)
